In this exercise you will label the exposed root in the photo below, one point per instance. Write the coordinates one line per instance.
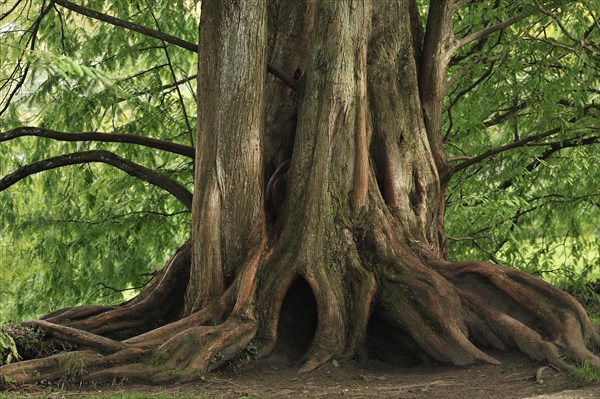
(512, 309)
(441, 311)
(181, 350)
(66, 366)
(430, 311)
(184, 353)
(79, 337)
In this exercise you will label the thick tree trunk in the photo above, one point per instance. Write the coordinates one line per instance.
(318, 211)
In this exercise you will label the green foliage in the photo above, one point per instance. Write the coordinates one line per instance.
(586, 374)
(535, 207)
(68, 234)
(27, 341)
(8, 349)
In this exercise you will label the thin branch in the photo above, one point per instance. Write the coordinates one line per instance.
(585, 45)
(31, 43)
(129, 25)
(7, 13)
(174, 77)
(491, 68)
(554, 147)
(459, 158)
(101, 137)
(289, 81)
(138, 74)
(509, 114)
(492, 29)
(129, 167)
(175, 84)
(575, 142)
(113, 219)
(465, 238)
(495, 28)
(498, 150)
(158, 35)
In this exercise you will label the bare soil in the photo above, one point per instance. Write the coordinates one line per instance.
(275, 378)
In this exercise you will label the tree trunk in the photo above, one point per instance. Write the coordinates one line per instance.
(318, 214)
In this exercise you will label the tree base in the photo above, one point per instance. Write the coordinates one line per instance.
(422, 309)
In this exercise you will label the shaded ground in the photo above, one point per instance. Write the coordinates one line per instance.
(273, 378)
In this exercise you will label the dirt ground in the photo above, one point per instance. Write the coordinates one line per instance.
(274, 378)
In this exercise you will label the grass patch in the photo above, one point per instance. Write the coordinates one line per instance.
(587, 374)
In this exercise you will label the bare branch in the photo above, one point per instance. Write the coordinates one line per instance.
(129, 167)
(459, 158)
(128, 25)
(500, 26)
(175, 84)
(495, 28)
(7, 13)
(174, 77)
(499, 118)
(289, 81)
(112, 219)
(101, 137)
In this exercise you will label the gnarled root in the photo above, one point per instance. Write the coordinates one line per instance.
(432, 309)
(180, 351)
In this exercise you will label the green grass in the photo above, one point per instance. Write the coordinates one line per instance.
(586, 374)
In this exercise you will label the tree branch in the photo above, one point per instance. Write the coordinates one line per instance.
(128, 25)
(554, 147)
(289, 81)
(174, 77)
(499, 118)
(585, 45)
(101, 137)
(157, 35)
(129, 167)
(530, 141)
(438, 46)
(498, 150)
(495, 28)
(502, 25)
(7, 13)
(113, 219)
(31, 43)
